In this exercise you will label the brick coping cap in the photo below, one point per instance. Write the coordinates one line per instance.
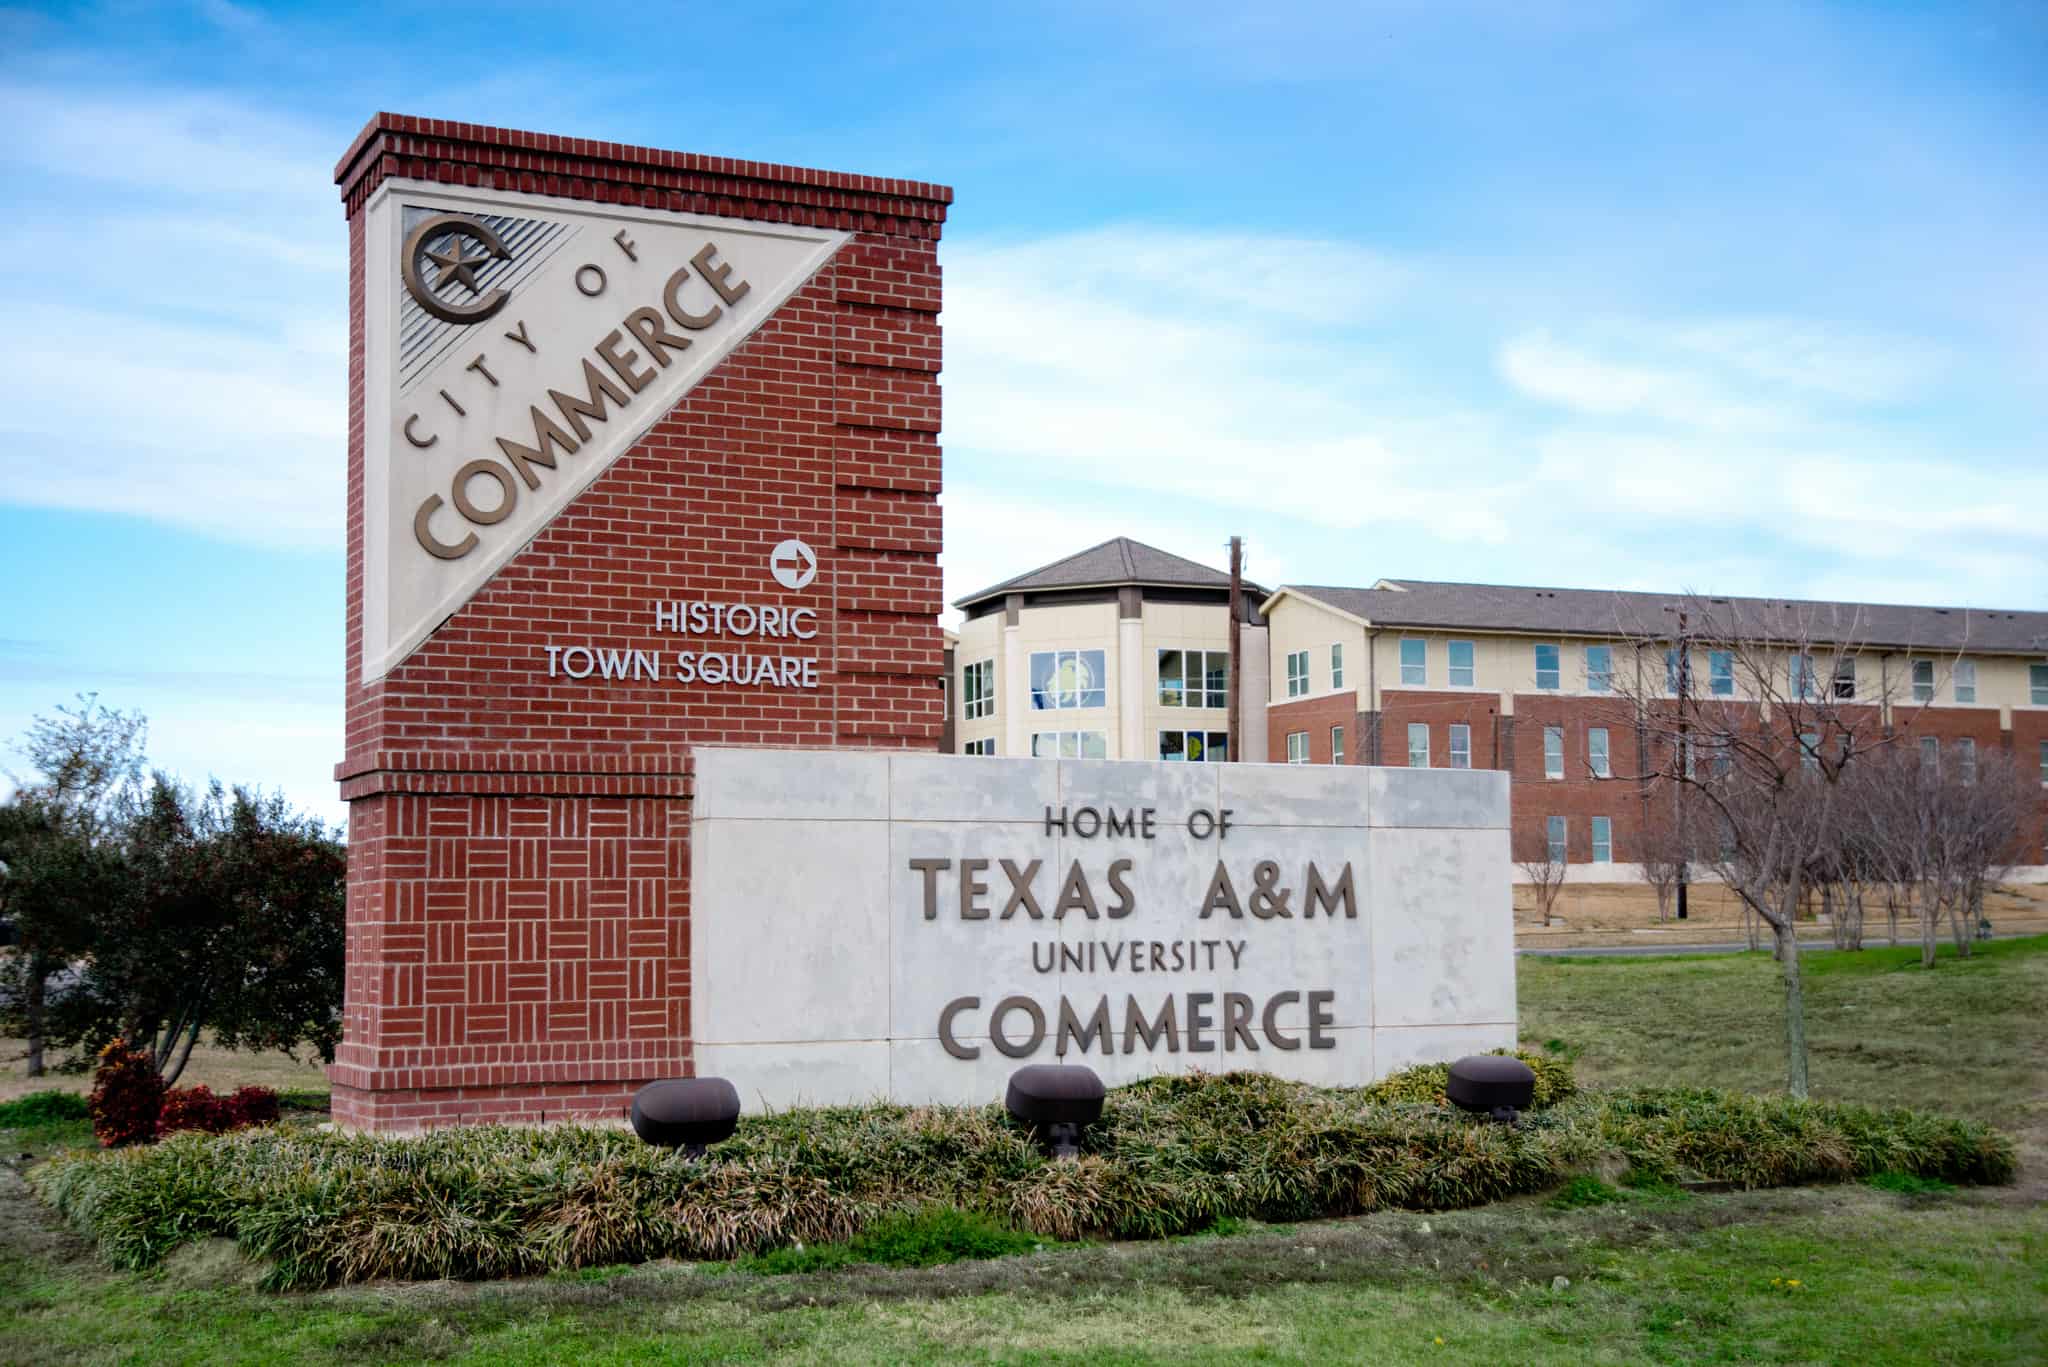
(626, 154)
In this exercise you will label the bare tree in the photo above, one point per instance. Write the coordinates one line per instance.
(1665, 843)
(1546, 877)
(1795, 702)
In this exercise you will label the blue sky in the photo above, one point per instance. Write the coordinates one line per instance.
(1736, 298)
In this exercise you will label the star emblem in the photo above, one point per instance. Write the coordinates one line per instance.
(455, 265)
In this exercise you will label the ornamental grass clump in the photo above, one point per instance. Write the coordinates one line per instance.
(1171, 1155)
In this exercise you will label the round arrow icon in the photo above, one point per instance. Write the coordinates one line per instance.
(793, 564)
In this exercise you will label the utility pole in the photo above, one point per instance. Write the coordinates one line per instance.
(1684, 756)
(1236, 640)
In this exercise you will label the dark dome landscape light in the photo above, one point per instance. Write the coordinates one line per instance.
(689, 1113)
(1497, 1085)
(1058, 1100)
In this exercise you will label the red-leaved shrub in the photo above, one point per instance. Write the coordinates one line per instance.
(194, 1108)
(199, 1108)
(127, 1095)
(254, 1106)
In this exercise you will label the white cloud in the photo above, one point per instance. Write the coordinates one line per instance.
(1226, 369)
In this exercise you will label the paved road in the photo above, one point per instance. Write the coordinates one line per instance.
(1738, 947)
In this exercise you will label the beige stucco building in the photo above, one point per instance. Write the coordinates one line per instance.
(1120, 651)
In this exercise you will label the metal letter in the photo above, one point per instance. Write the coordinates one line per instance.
(1198, 1021)
(1237, 1016)
(433, 545)
(545, 432)
(576, 410)
(1272, 1029)
(971, 889)
(1135, 1026)
(1328, 897)
(951, 1045)
(1070, 1027)
(659, 341)
(1020, 889)
(1318, 1017)
(480, 368)
(1002, 1041)
(1125, 903)
(672, 297)
(608, 348)
(590, 292)
(423, 445)
(460, 490)
(930, 869)
(716, 276)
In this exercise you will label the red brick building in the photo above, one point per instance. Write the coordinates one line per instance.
(1528, 680)
(727, 372)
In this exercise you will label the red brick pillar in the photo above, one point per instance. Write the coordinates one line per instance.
(518, 884)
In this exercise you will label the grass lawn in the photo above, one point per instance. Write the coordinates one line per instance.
(1814, 1274)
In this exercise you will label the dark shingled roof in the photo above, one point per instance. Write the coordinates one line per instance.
(1115, 562)
(1605, 612)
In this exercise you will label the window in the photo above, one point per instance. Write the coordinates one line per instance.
(1724, 756)
(1721, 673)
(1800, 677)
(2044, 764)
(1418, 745)
(2037, 684)
(1062, 679)
(1845, 677)
(978, 689)
(1966, 759)
(979, 747)
(1069, 745)
(1297, 673)
(1546, 667)
(1923, 681)
(1553, 752)
(1336, 745)
(1603, 840)
(1554, 837)
(1297, 747)
(1809, 751)
(1194, 678)
(1930, 755)
(1414, 663)
(1674, 671)
(1596, 752)
(1599, 669)
(1195, 746)
(1337, 666)
(1964, 680)
(1461, 664)
(1461, 746)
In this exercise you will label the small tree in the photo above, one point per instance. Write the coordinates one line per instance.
(59, 859)
(1665, 843)
(230, 918)
(1545, 871)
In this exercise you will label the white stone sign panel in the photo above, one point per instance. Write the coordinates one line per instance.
(916, 927)
(515, 346)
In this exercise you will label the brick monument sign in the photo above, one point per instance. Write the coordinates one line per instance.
(643, 454)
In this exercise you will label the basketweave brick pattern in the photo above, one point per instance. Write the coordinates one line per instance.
(518, 921)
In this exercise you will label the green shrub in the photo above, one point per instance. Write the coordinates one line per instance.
(924, 1237)
(41, 1108)
(1171, 1156)
(1906, 1184)
(1425, 1084)
(1583, 1191)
